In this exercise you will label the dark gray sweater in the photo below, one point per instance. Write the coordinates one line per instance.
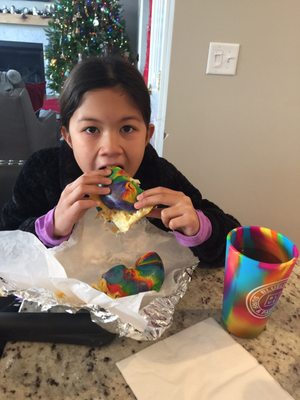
(48, 171)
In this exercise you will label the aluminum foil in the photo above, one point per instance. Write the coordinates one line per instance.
(158, 313)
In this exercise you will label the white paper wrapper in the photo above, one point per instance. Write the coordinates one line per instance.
(60, 278)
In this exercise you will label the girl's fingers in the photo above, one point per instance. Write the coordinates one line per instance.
(154, 191)
(155, 199)
(177, 223)
(75, 199)
(155, 213)
(169, 214)
(178, 218)
(98, 190)
(179, 213)
(85, 204)
(160, 195)
(81, 191)
(91, 180)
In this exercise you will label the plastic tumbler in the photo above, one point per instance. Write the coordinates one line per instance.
(258, 264)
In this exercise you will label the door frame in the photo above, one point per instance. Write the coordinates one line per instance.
(161, 71)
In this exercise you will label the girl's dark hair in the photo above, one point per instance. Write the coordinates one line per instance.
(98, 73)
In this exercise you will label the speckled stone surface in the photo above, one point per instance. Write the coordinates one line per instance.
(68, 372)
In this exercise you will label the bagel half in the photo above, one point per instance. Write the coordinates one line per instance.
(118, 206)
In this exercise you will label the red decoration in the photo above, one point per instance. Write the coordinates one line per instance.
(51, 104)
(36, 93)
(146, 67)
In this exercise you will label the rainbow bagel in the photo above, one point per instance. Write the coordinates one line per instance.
(123, 191)
(118, 205)
(147, 274)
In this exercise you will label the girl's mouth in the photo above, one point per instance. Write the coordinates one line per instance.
(112, 165)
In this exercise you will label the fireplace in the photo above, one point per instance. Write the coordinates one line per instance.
(27, 58)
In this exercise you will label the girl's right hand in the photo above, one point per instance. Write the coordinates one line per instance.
(75, 200)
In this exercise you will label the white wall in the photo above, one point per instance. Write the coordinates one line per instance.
(238, 138)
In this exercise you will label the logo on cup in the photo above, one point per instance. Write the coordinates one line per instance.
(261, 300)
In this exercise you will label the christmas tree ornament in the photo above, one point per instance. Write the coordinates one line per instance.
(25, 11)
(96, 21)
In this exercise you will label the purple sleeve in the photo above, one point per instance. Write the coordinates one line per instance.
(200, 237)
(44, 227)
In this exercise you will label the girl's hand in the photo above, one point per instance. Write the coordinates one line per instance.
(74, 200)
(179, 214)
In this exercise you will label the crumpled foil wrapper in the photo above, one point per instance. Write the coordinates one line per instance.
(61, 279)
(158, 313)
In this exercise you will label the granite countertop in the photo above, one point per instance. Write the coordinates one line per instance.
(68, 372)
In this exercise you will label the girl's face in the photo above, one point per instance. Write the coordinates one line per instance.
(107, 129)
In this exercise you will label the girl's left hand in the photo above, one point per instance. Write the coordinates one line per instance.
(179, 214)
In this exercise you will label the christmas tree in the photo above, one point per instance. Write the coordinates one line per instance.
(79, 29)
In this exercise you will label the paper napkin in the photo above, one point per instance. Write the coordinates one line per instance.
(202, 362)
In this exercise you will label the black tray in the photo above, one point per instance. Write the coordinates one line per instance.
(49, 327)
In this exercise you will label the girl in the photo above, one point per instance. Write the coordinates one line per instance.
(105, 115)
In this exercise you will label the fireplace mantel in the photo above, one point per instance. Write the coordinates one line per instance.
(34, 20)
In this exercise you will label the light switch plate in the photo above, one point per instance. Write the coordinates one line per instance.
(222, 58)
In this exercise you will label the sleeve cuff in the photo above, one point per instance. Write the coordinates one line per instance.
(44, 228)
(203, 234)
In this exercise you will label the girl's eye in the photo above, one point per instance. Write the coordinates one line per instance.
(127, 129)
(91, 130)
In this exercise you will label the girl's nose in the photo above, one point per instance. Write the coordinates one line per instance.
(109, 144)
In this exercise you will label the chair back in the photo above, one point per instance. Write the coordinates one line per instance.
(14, 143)
(21, 132)
(9, 171)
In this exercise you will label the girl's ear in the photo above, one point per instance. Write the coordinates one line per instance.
(66, 135)
(150, 132)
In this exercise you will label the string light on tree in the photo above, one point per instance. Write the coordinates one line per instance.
(80, 29)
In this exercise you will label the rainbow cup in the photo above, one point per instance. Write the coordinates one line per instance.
(258, 264)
